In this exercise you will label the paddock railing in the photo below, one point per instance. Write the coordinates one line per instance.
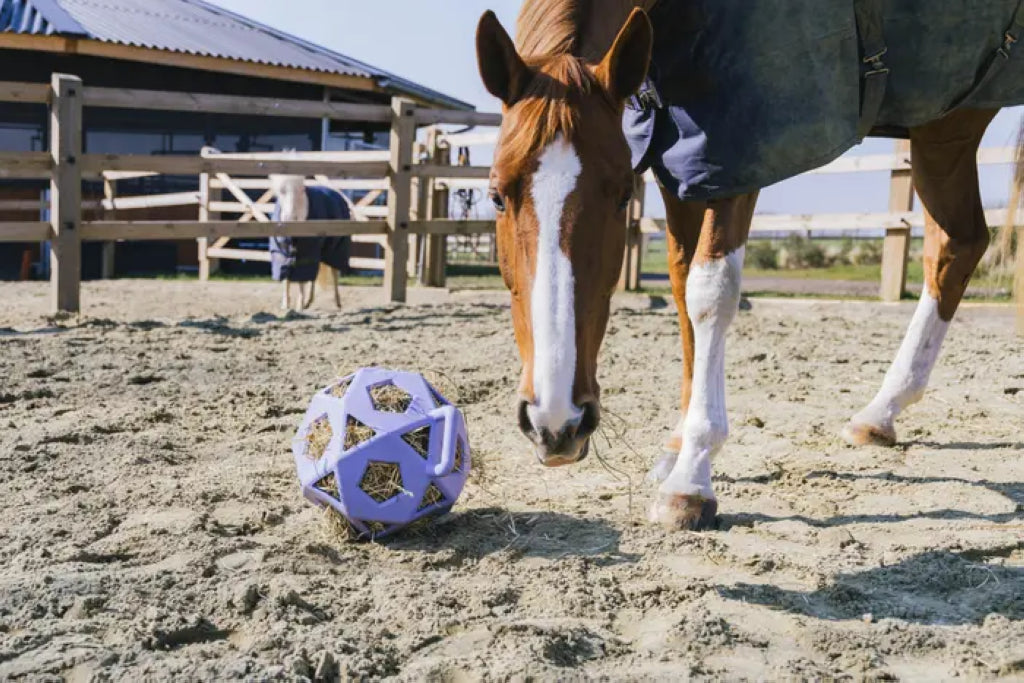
(66, 166)
(416, 178)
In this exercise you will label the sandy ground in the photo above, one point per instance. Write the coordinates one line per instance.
(152, 526)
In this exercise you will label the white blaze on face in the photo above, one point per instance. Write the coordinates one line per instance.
(552, 305)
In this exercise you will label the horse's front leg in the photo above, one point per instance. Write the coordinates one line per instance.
(685, 499)
(286, 298)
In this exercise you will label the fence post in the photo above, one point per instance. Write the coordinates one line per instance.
(896, 247)
(204, 215)
(436, 252)
(108, 264)
(632, 261)
(396, 255)
(65, 193)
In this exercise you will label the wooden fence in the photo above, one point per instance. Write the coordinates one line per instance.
(416, 185)
(65, 166)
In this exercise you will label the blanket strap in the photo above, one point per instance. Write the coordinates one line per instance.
(873, 70)
(998, 59)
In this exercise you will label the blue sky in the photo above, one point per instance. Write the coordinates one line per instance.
(431, 42)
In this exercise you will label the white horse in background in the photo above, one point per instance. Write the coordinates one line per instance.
(293, 202)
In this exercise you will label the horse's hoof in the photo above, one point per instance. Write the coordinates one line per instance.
(662, 467)
(677, 512)
(862, 434)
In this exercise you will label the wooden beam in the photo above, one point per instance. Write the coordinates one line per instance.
(97, 164)
(24, 93)
(435, 256)
(381, 156)
(442, 173)
(451, 227)
(203, 243)
(239, 254)
(335, 183)
(66, 193)
(403, 136)
(471, 139)
(239, 207)
(834, 222)
(29, 165)
(632, 261)
(183, 230)
(108, 265)
(29, 231)
(242, 197)
(118, 98)
(896, 246)
(433, 117)
(152, 201)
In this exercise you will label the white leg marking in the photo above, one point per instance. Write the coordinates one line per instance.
(552, 302)
(712, 299)
(290, 191)
(907, 377)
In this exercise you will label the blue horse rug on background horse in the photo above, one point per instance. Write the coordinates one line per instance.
(297, 259)
(744, 93)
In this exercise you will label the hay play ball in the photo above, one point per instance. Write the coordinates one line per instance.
(383, 449)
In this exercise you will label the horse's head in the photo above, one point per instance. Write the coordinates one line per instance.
(290, 192)
(561, 183)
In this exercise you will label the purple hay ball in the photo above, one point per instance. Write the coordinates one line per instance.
(407, 454)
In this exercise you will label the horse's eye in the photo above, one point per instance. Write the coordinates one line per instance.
(498, 201)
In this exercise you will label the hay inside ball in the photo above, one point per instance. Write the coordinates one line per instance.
(380, 450)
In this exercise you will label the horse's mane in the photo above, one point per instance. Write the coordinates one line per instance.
(558, 39)
(548, 106)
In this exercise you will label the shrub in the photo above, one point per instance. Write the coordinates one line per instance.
(804, 253)
(762, 254)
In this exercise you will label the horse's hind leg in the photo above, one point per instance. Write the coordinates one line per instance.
(945, 172)
(710, 295)
(306, 300)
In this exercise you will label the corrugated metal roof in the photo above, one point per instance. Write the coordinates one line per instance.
(193, 27)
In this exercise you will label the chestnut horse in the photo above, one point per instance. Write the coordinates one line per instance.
(561, 182)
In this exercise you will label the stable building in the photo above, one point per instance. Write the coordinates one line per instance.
(171, 45)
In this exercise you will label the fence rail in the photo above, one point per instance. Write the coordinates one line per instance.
(417, 188)
(392, 171)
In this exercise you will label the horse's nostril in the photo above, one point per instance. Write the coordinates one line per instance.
(590, 419)
(525, 426)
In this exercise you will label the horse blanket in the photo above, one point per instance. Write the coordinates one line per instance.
(744, 93)
(297, 259)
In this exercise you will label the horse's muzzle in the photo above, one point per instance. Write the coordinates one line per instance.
(570, 445)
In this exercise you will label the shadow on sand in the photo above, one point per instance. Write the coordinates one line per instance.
(935, 587)
(474, 534)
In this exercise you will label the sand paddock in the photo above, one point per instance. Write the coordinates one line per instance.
(152, 525)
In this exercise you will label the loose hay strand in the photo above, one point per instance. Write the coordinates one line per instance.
(356, 433)
(432, 497)
(341, 388)
(419, 440)
(318, 437)
(382, 481)
(390, 398)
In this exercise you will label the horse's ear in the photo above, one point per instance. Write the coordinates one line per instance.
(502, 69)
(624, 67)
